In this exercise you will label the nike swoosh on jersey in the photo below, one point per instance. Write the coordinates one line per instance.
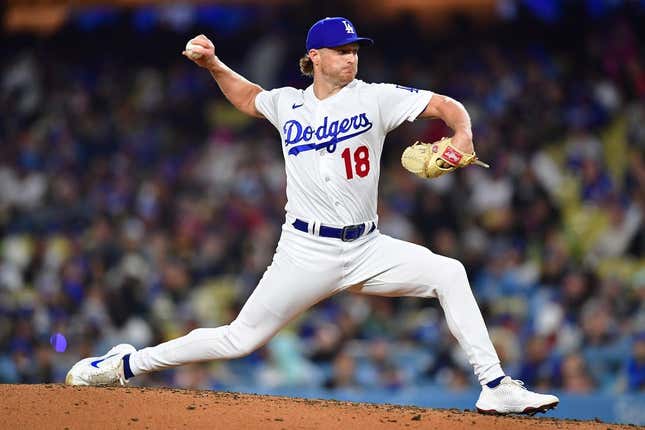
(295, 106)
(96, 363)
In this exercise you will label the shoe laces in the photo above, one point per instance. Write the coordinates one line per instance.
(518, 383)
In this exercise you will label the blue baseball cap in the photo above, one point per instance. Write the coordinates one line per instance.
(332, 32)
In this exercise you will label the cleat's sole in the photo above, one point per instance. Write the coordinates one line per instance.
(528, 411)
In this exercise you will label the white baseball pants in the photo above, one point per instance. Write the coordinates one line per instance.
(307, 269)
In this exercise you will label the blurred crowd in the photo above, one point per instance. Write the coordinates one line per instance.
(136, 205)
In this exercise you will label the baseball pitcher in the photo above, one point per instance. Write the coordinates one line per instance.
(332, 136)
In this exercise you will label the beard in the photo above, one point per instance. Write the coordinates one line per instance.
(340, 76)
(348, 75)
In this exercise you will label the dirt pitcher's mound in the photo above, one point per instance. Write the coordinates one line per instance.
(62, 407)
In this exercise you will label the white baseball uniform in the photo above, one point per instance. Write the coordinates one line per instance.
(330, 241)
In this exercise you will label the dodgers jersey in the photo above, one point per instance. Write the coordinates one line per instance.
(332, 147)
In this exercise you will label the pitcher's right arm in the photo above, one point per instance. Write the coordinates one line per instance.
(235, 87)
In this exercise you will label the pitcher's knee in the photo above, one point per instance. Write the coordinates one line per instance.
(453, 272)
(244, 349)
(244, 339)
(458, 269)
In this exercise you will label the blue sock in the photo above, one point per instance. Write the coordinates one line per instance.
(492, 384)
(127, 372)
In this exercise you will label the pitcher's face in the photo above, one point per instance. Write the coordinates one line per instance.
(338, 65)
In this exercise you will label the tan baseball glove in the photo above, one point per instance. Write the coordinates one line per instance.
(431, 160)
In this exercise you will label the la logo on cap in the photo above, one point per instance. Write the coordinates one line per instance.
(348, 27)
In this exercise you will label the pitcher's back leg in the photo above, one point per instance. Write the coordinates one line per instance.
(285, 291)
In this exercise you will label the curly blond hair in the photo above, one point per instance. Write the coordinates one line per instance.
(306, 66)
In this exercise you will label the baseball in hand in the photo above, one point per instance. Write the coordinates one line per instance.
(191, 53)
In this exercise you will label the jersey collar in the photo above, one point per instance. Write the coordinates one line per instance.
(311, 97)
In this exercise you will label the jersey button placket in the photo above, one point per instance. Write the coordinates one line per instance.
(318, 119)
(325, 166)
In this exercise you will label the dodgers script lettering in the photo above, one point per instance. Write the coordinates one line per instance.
(335, 131)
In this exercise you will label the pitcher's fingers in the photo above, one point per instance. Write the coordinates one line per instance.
(205, 41)
(199, 49)
(201, 42)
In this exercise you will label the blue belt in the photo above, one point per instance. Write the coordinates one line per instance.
(346, 234)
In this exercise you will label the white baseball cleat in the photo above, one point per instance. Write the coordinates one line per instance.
(511, 397)
(104, 370)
